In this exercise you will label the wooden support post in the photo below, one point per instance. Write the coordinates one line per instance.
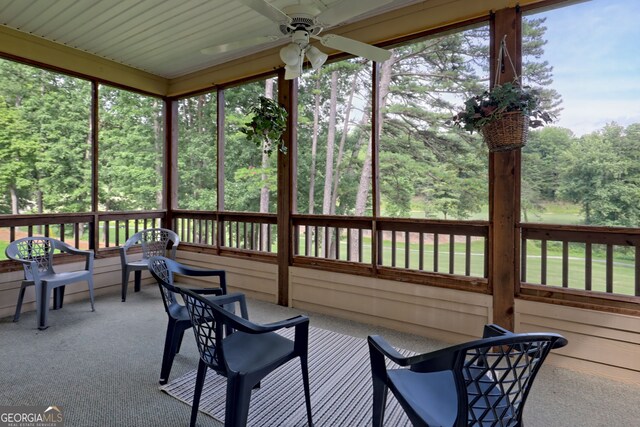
(220, 118)
(377, 240)
(170, 199)
(287, 96)
(504, 183)
(94, 231)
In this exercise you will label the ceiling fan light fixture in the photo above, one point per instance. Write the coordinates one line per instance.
(317, 58)
(291, 72)
(290, 54)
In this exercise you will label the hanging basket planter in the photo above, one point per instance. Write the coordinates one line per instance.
(509, 132)
(504, 113)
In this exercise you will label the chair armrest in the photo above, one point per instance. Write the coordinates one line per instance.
(281, 324)
(131, 241)
(64, 247)
(199, 272)
(494, 330)
(207, 291)
(378, 344)
(228, 299)
(31, 265)
(434, 361)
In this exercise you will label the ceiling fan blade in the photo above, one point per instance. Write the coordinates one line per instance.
(355, 47)
(239, 44)
(264, 8)
(343, 11)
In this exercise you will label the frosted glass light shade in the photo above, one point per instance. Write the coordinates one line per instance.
(290, 54)
(316, 57)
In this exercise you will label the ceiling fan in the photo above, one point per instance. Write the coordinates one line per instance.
(301, 23)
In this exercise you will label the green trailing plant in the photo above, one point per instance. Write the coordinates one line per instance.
(267, 125)
(491, 105)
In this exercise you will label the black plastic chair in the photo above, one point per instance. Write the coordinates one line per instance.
(163, 270)
(480, 383)
(36, 256)
(154, 242)
(242, 351)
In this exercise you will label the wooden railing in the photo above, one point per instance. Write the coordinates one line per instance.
(376, 245)
(102, 231)
(228, 231)
(116, 227)
(450, 247)
(594, 259)
(576, 259)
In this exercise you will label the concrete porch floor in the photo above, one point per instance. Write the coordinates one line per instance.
(102, 368)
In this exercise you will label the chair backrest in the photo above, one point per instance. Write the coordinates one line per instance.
(494, 375)
(208, 320)
(38, 249)
(155, 241)
(162, 270)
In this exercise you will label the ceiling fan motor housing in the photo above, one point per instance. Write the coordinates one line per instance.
(302, 17)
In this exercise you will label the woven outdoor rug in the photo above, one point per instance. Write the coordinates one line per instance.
(340, 382)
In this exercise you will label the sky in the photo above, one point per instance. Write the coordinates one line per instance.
(594, 48)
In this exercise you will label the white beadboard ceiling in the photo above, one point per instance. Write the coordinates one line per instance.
(161, 37)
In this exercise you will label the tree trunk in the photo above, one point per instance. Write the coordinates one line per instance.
(331, 136)
(14, 200)
(343, 138)
(314, 144)
(365, 176)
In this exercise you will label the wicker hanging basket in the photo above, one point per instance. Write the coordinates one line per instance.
(507, 133)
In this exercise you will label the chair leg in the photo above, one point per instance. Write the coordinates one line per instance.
(58, 297)
(43, 306)
(238, 399)
(90, 285)
(304, 365)
(16, 316)
(202, 373)
(179, 341)
(379, 401)
(138, 279)
(125, 283)
(169, 351)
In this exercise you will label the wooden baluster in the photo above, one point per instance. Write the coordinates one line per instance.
(452, 253)
(637, 270)
(393, 248)
(523, 259)
(436, 239)
(421, 251)
(565, 264)
(609, 268)
(588, 266)
(407, 249)
(76, 234)
(467, 256)
(360, 244)
(348, 244)
(543, 263)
